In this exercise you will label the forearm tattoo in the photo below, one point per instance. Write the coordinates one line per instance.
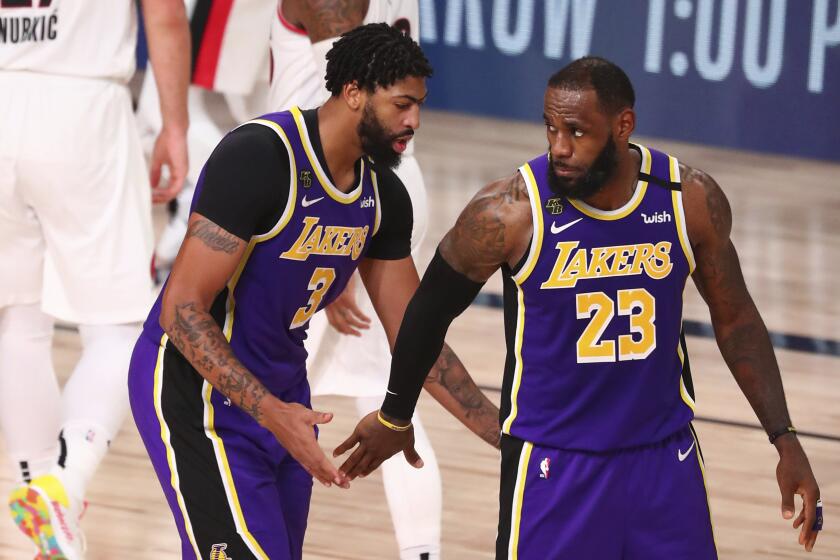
(213, 236)
(473, 408)
(200, 340)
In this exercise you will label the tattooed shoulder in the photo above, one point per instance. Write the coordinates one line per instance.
(495, 224)
(707, 208)
(213, 236)
(331, 18)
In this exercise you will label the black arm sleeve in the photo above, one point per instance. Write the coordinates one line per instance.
(393, 240)
(246, 182)
(443, 294)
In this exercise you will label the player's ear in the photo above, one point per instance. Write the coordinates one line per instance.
(353, 96)
(625, 124)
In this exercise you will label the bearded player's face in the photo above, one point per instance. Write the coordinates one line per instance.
(582, 150)
(389, 119)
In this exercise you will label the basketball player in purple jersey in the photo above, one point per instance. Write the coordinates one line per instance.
(596, 240)
(285, 210)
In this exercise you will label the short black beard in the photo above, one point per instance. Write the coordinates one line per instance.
(601, 171)
(376, 142)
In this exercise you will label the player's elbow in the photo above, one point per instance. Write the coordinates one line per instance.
(178, 305)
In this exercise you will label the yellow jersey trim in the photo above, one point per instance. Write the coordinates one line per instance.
(378, 213)
(165, 436)
(632, 204)
(227, 475)
(537, 217)
(291, 203)
(682, 230)
(518, 498)
(705, 485)
(517, 372)
(334, 192)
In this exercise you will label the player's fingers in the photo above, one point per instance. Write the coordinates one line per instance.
(315, 461)
(155, 170)
(356, 322)
(362, 467)
(347, 444)
(321, 417)
(357, 313)
(809, 546)
(787, 502)
(413, 457)
(351, 462)
(164, 195)
(809, 511)
(373, 466)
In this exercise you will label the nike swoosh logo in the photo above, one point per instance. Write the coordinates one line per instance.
(681, 456)
(306, 203)
(390, 392)
(555, 229)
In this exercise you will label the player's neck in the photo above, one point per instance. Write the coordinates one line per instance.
(341, 144)
(620, 188)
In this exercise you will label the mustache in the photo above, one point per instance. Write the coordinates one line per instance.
(408, 132)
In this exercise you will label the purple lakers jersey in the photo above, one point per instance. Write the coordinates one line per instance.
(593, 314)
(296, 268)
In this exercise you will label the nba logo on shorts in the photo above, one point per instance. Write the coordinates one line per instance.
(545, 465)
(218, 552)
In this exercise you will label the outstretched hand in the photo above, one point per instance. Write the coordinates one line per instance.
(795, 477)
(294, 427)
(375, 443)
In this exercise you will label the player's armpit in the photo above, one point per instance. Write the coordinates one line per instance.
(325, 19)
(493, 229)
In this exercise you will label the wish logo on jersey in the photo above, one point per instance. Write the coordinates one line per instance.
(317, 239)
(575, 264)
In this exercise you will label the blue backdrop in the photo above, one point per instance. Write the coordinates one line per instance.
(755, 74)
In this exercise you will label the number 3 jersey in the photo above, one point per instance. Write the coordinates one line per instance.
(267, 183)
(593, 317)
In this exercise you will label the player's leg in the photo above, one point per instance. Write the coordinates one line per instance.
(559, 504)
(414, 495)
(294, 486)
(671, 516)
(211, 460)
(92, 201)
(29, 411)
(29, 394)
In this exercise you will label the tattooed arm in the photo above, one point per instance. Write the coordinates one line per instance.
(324, 19)
(391, 285)
(208, 258)
(743, 338)
(494, 229)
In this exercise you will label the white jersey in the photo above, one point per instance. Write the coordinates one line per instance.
(295, 76)
(80, 38)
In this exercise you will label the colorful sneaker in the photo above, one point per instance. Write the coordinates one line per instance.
(45, 514)
(22, 513)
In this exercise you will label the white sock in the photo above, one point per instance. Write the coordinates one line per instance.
(29, 393)
(95, 402)
(82, 447)
(414, 495)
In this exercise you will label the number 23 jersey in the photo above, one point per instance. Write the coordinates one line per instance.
(593, 317)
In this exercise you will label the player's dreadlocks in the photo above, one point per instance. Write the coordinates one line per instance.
(374, 55)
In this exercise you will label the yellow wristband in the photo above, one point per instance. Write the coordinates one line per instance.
(390, 425)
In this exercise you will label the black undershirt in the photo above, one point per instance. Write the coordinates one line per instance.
(246, 186)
